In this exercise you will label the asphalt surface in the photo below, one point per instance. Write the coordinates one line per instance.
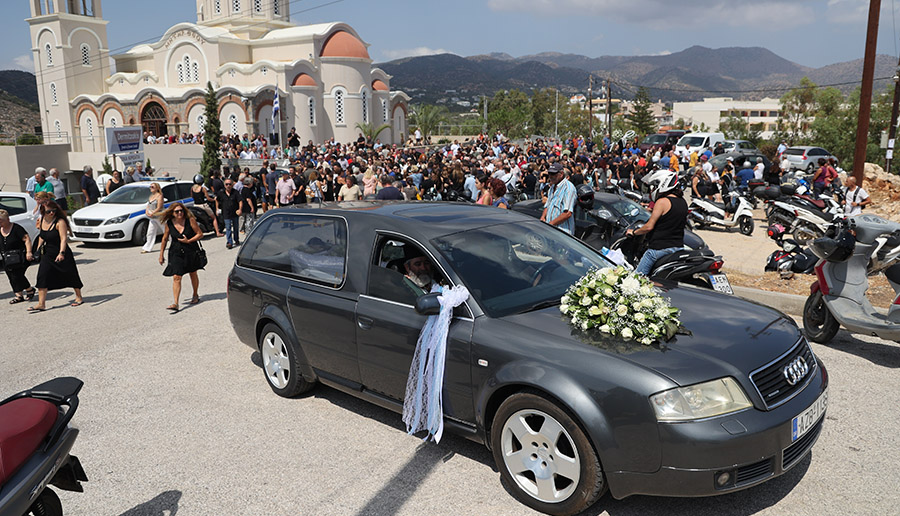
(176, 417)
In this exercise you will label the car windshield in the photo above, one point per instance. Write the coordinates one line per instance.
(693, 141)
(128, 195)
(515, 268)
(631, 211)
(655, 139)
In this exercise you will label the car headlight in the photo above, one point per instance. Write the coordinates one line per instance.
(700, 401)
(117, 220)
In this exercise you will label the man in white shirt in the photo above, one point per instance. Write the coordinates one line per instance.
(759, 169)
(785, 165)
(855, 198)
(418, 135)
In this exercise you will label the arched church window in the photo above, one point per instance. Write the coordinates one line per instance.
(85, 55)
(339, 107)
(49, 50)
(113, 122)
(90, 128)
(180, 69)
(201, 122)
(232, 123)
(58, 127)
(257, 6)
(384, 111)
(312, 111)
(195, 72)
(276, 7)
(218, 6)
(264, 70)
(53, 96)
(235, 6)
(365, 106)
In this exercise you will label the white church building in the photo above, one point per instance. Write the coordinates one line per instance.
(248, 49)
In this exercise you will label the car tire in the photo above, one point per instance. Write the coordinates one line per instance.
(745, 225)
(281, 364)
(140, 232)
(531, 436)
(818, 323)
(811, 169)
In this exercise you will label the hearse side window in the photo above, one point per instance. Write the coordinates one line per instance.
(305, 247)
(14, 205)
(386, 277)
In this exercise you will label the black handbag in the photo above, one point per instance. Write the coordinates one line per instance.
(14, 258)
(198, 257)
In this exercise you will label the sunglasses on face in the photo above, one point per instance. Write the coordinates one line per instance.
(178, 211)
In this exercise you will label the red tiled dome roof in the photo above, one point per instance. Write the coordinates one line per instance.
(303, 79)
(379, 85)
(344, 44)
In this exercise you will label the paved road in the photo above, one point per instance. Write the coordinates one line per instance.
(176, 417)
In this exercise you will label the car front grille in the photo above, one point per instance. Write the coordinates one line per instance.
(796, 451)
(88, 222)
(754, 472)
(770, 380)
(87, 235)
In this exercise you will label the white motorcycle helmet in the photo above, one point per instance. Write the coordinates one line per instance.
(661, 182)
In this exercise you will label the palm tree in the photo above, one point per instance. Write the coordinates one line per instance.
(428, 117)
(371, 131)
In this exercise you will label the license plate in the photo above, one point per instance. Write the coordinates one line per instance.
(720, 283)
(809, 417)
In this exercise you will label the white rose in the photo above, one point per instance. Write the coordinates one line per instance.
(646, 303)
(605, 328)
(585, 301)
(607, 292)
(646, 290)
(654, 328)
(636, 305)
(595, 310)
(621, 309)
(584, 325)
(661, 312)
(639, 317)
(563, 308)
(646, 341)
(627, 333)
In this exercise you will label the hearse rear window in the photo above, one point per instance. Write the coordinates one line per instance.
(305, 247)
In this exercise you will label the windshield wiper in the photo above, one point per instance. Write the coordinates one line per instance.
(543, 304)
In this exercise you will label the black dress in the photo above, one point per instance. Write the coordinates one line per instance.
(15, 242)
(181, 257)
(53, 275)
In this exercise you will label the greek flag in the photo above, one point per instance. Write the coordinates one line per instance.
(275, 108)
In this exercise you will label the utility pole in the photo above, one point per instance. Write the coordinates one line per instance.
(590, 107)
(556, 112)
(608, 107)
(484, 125)
(892, 132)
(865, 95)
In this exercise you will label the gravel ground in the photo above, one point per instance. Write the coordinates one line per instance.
(177, 418)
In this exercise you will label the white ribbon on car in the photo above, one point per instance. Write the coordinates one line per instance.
(423, 404)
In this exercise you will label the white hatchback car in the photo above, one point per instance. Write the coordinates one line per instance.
(120, 216)
(21, 211)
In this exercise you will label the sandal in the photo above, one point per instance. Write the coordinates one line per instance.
(29, 293)
(36, 309)
(172, 307)
(17, 299)
(77, 303)
(195, 300)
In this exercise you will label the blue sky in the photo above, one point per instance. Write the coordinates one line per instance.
(811, 33)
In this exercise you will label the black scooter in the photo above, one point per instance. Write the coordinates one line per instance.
(35, 440)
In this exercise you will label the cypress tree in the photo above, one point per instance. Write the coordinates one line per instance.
(212, 132)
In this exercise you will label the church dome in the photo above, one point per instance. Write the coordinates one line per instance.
(344, 44)
(379, 85)
(303, 79)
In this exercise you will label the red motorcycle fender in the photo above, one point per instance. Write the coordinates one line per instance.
(814, 287)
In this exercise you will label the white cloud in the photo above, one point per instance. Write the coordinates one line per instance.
(24, 62)
(764, 14)
(414, 52)
(852, 12)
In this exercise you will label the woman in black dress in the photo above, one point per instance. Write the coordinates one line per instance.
(182, 226)
(15, 245)
(57, 267)
(114, 182)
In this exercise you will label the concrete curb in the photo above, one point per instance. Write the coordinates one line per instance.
(787, 303)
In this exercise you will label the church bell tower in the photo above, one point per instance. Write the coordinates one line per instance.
(71, 58)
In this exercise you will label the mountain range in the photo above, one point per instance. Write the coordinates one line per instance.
(691, 74)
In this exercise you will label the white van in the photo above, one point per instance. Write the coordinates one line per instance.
(702, 140)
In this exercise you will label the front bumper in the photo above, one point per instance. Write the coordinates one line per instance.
(753, 446)
(103, 233)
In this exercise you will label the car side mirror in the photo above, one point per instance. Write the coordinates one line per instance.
(428, 304)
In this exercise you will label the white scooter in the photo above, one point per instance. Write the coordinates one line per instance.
(865, 246)
(709, 213)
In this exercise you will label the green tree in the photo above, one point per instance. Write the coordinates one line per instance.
(29, 139)
(212, 132)
(107, 167)
(573, 120)
(371, 131)
(680, 124)
(428, 117)
(544, 111)
(641, 118)
(735, 128)
(798, 107)
(510, 112)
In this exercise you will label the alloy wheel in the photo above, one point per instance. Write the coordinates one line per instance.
(275, 360)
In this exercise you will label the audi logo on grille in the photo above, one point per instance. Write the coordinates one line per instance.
(795, 371)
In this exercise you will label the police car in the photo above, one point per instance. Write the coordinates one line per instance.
(121, 217)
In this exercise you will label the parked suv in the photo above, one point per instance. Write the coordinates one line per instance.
(806, 158)
(665, 140)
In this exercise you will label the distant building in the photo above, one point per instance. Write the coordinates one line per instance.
(248, 50)
(713, 111)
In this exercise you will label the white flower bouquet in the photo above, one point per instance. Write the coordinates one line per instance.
(621, 303)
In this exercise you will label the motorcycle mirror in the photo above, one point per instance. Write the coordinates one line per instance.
(603, 214)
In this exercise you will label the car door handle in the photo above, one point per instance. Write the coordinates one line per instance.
(365, 323)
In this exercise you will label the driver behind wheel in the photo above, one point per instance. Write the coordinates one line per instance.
(667, 221)
(419, 273)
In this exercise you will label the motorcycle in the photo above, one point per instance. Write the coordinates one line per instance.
(805, 217)
(709, 213)
(35, 441)
(204, 220)
(792, 257)
(862, 246)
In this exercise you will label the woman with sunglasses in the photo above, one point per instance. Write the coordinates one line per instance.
(57, 269)
(154, 207)
(184, 255)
